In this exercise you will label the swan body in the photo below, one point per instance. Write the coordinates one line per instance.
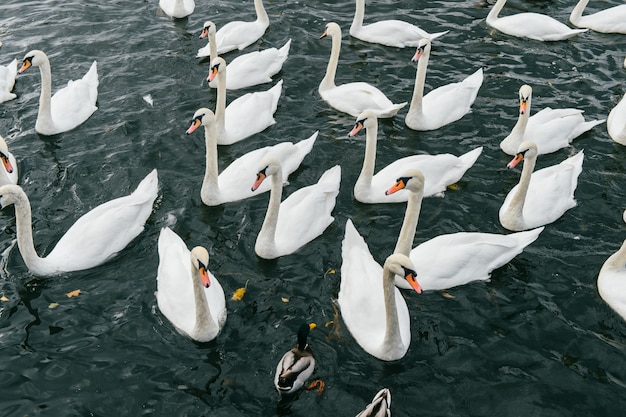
(238, 34)
(543, 196)
(355, 97)
(443, 105)
(232, 183)
(611, 20)
(95, 237)
(530, 25)
(380, 405)
(7, 81)
(550, 129)
(297, 365)
(8, 169)
(612, 280)
(188, 294)
(371, 306)
(252, 68)
(396, 33)
(301, 217)
(177, 8)
(616, 122)
(246, 115)
(454, 259)
(71, 105)
(439, 170)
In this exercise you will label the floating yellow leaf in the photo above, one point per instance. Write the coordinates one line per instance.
(53, 305)
(284, 299)
(446, 294)
(329, 271)
(328, 323)
(74, 293)
(4, 298)
(240, 292)
(453, 186)
(318, 385)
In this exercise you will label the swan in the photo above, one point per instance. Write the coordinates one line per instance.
(611, 20)
(550, 129)
(612, 279)
(380, 405)
(7, 81)
(95, 237)
(177, 8)
(246, 115)
(453, 259)
(71, 105)
(543, 196)
(302, 217)
(616, 121)
(440, 170)
(351, 98)
(395, 33)
(372, 308)
(8, 171)
(229, 184)
(444, 104)
(188, 294)
(530, 25)
(252, 68)
(238, 34)
(297, 365)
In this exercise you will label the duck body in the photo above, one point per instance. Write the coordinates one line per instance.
(611, 20)
(188, 294)
(612, 281)
(177, 8)
(93, 239)
(7, 81)
(540, 197)
(530, 25)
(442, 105)
(355, 97)
(616, 122)
(8, 169)
(297, 365)
(301, 217)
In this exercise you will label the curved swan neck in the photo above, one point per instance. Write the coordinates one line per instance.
(261, 14)
(212, 44)
(369, 160)
(331, 69)
(359, 14)
(210, 185)
(522, 121)
(45, 112)
(409, 225)
(24, 226)
(267, 233)
(516, 207)
(420, 78)
(577, 13)
(393, 339)
(204, 320)
(495, 11)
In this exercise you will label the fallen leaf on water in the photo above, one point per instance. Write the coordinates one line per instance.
(453, 186)
(328, 323)
(53, 305)
(4, 298)
(284, 299)
(329, 271)
(319, 384)
(240, 292)
(446, 294)
(148, 99)
(74, 293)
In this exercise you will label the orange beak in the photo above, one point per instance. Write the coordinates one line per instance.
(399, 185)
(357, 127)
(260, 177)
(196, 123)
(418, 54)
(25, 65)
(523, 105)
(205, 33)
(7, 164)
(204, 275)
(212, 74)
(516, 160)
(411, 277)
(323, 35)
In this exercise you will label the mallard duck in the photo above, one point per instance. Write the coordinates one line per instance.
(297, 365)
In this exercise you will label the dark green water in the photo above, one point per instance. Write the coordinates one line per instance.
(536, 340)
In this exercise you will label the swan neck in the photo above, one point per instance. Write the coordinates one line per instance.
(522, 122)
(409, 225)
(359, 14)
(261, 14)
(45, 109)
(369, 160)
(495, 11)
(516, 207)
(204, 320)
(392, 337)
(420, 78)
(267, 234)
(210, 184)
(212, 45)
(331, 69)
(24, 227)
(220, 105)
(618, 259)
(577, 13)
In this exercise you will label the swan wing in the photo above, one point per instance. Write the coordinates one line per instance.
(396, 33)
(611, 20)
(612, 282)
(7, 81)
(534, 26)
(616, 122)
(238, 35)
(256, 67)
(73, 104)
(354, 98)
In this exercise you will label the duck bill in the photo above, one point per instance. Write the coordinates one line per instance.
(7, 164)
(194, 125)
(204, 276)
(260, 177)
(412, 280)
(516, 160)
(399, 185)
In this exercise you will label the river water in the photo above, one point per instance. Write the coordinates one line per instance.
(536, 339)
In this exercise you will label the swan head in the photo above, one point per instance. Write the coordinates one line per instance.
(33, 58)
(269, 166)
(217, 65)
(200, 262)
(367, 119)
(423, 47)
(527, 149)
(525, 96)
(10, 194)
(412, 180)
(202, 117)
(4, 156)
(207, 28)
(401, 265)
(332, 29)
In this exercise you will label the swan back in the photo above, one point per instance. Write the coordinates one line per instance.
(7, 81)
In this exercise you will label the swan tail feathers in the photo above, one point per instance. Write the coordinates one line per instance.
(331, 176)
(305, 146)
(526, 237)
(434, 36)
(583, 127)
(284, 51)
(275, 92)
(468, 159)
(390, 111)
(149, 186)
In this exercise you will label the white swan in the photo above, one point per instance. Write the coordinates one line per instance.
(238, 34)
(95, 237)
(611, 20)
(232, 183)
(301, 217)
(543, 196)
(440, 170)
(188, 294)
(371, 306)
(71, 105)
(246, 115)
(252, 68)
(395, 33)
(444, 104)
(550, 129)
(380, 405)
(616, 121)
(177, 8)
(530, 25)
(612, 279)
(8, 170)
(453, 259)
(297, 365)
(351, 98)
(7, 81)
